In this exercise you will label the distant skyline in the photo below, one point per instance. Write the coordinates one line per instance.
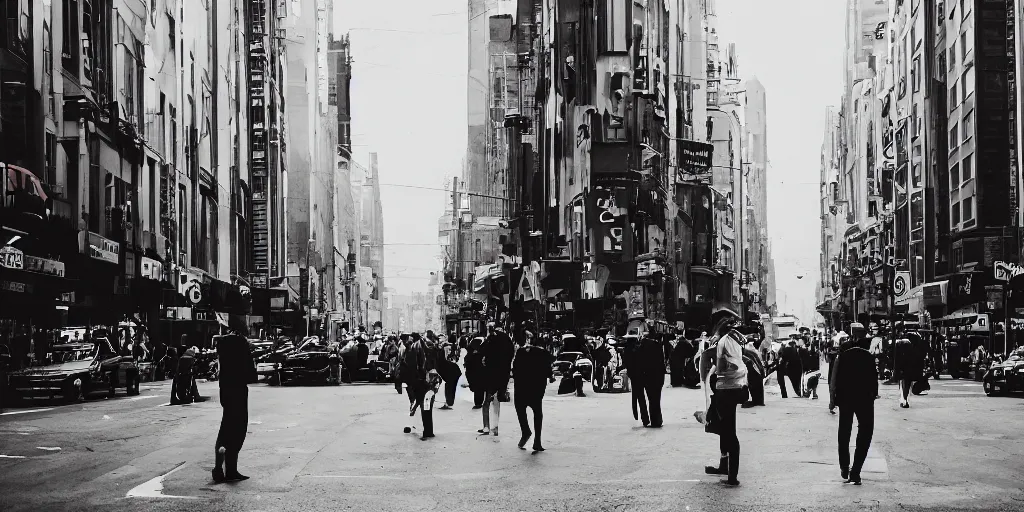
(409, 106)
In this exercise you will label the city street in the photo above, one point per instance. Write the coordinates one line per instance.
(342, 448)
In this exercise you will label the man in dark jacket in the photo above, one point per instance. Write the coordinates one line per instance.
(237, 371)
(854, 386)
(531, 370)
(646, 370)
(475, 370)
(791, 367)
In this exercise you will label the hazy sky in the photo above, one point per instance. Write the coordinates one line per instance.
(409, 105)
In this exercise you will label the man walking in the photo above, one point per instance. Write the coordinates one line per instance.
(475, 370)
(531, 370)
(792, 367)
(854, 387)
(237, 371)
(649, 366)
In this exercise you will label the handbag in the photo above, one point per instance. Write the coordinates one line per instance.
(711, 420)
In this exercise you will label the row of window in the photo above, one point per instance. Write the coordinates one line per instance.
(961, 173)
(961, 89)
(962, 211)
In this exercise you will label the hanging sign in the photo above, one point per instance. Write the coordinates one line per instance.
(12, 258)
(901, 287)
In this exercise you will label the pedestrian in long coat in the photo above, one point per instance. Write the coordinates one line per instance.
(498, 353)
(237, 371)
(475, 370)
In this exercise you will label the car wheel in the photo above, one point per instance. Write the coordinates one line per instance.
(74, 391)
(989, 389)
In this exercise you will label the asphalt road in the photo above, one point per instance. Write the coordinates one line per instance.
(342, 448)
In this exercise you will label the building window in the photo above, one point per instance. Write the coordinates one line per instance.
(967, 82)
(954, 137)
(968, 207)
(954, 177)
(69, 37)
(51, 159)
(963, 46)
(955, 214)
(965, 8)
(182, 224)
(916, 78)
(952, 56)
(173, 149)
(154, 197)
(968, 127)
(954, 92)
(968, 168)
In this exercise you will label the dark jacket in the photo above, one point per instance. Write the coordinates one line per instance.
(531, 370)
(809, 359)
(854, 379)
(413, 365)
(237, 367)
(498, 353)
(790, 360)
(649, 358)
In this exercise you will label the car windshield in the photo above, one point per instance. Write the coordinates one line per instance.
(69, 354)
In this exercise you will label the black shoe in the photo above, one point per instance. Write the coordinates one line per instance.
(524, 439)
(854, 479)
(538, 448)
(424, 437)
(478, 407)
(748, 405)
(235, 477)
(711, 470)
(845, 473)
(218, 475)
(652, 425)
(732, 482)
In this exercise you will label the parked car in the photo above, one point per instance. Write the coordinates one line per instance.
(567, 362)
(77, 370)
(1005, 376)
(269, 361)
(311, 361)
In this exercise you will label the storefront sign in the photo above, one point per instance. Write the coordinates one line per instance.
(901, 287)
(190, 286)
(11, 286)
(44, 266)
(178, 313)
(12, 258)
(152, 269)
(67, 298)
(1006, 271)
(99, 248)
(695, 157)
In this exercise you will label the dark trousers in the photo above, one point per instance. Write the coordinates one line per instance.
(234, 400)
(534, 403)
(756, 386)
(781, 377)
(450, 386)
(478, 398)
(647, 394)
(184, 389)
(728, 442)
(865, 414)
(794, 378)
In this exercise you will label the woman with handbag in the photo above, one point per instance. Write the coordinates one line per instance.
(730, 390)
(498, 352)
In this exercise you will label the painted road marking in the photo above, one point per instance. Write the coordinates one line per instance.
(154, 488)
(143, 397)
(367, 477)
(49, 448)
(9, 413)
(2, 456)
